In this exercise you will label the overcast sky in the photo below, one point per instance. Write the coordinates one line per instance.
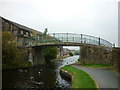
(92, 17)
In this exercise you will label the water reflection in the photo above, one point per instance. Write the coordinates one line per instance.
(38, 77)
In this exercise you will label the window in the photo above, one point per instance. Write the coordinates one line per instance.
(11, 27)
(31, 34)
(14, 32)
(26, 33)
(21, 32)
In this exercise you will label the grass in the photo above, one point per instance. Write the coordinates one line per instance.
(80, 78)
(95, 65)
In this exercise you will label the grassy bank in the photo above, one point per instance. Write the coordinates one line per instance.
(96, 65)
(80, 79)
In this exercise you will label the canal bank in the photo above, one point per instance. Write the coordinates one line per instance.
(78, 78)
(38, 77)
(104, 77)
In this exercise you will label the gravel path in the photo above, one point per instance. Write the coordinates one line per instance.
(104, 77)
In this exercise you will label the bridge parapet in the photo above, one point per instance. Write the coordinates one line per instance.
(81, 38)
(69, 37)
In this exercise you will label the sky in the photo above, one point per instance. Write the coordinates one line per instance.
(92, 17)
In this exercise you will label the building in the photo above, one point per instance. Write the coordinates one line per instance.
(66, 52)
(20, 32)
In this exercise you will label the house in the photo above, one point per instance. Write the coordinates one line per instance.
(20, 32)
(66, 52)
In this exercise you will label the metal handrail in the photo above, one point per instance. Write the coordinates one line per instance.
(69, 37)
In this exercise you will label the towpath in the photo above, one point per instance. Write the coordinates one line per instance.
(104, 77)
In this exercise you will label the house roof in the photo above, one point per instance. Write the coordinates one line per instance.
(22, 26)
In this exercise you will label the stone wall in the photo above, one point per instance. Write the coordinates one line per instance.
(116, 58)
(95, 55)
(24, 52)
(100, 55)
(38, 56)
(66, 75)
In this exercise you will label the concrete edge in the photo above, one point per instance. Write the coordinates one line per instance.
(66, 75)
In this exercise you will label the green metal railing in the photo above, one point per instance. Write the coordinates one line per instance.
(68, 37)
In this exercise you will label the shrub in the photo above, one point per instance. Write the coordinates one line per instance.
(71, 54)
(11, 55)
(50, 53)
(79, 59)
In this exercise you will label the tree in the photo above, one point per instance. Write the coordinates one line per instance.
(45, 32)
(11, 55)
(50, 53)
(70, 53)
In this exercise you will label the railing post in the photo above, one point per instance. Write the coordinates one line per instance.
(73, 39)
(54, 34)
(81, 38)
(62, 38)
(85, 40)
(99, 42)
(67, 37)
(113, 44)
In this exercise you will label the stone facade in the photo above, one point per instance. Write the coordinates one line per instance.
(116, 58)
(100, 55)
(20, 32)
(95, 55)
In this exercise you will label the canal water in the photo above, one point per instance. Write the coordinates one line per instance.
(38, 77)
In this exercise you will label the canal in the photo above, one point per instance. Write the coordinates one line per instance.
(38, 77)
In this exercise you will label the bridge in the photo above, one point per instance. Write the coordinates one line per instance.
(66, 39)
(92, 49)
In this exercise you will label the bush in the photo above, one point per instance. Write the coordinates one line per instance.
(11, 55)
(71, 54)
(79, 59)
(50, 53)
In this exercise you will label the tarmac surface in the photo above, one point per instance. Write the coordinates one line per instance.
(104, 77)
